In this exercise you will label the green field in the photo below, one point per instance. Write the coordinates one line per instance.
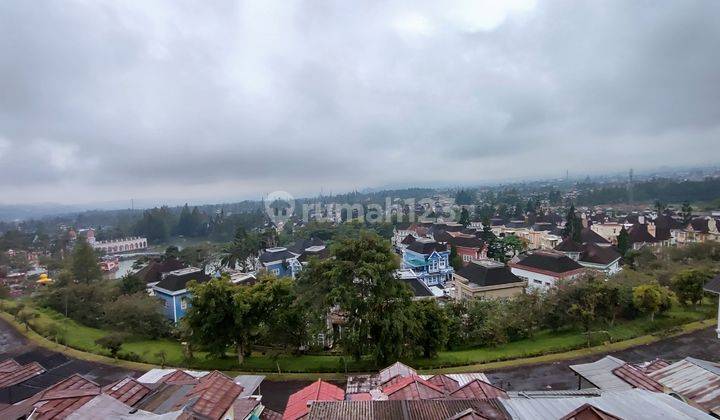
(545, 342)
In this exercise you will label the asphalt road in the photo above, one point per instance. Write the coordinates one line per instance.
(702, 344)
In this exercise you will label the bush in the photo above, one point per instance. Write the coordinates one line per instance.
(112, 342)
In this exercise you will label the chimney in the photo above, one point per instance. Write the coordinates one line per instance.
(651, 229)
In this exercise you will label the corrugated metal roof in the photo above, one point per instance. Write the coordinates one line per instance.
(250, 383)
(404, 409)
(463, 378)
(630, 404)
(154, 375)
(587, 392)
(693, 379)
(396, 369)
(600, 373)
(637, 378)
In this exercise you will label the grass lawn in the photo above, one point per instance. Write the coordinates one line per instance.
(545, 342)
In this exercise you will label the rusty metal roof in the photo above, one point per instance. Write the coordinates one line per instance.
(213, 395)
(695, 380)
(12, 375)
(127, 390)
(63, 398)
(478, 389)
(637, 378)
(405, 409)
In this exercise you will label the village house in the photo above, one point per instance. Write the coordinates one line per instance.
(429, 260)
(544, 269)
(172, 291)
(486, 279)
(604, 259)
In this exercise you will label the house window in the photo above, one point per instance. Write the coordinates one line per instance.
(537, 282)
(165, 303)
(466, 258)
(183, 303)
(433, 265)
(275, 271)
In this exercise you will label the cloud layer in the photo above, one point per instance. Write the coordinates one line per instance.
(230, 100)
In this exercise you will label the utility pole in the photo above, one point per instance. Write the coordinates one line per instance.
(630, 187)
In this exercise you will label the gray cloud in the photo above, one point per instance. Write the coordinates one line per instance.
(181, 100)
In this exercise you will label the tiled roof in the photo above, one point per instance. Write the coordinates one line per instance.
(426, 247)
(637, 378)
(175, 282)
(242, 407)
(127, 390)
(10, 376)
(568, 245)
(297, 405)
(590, 236)
(406, 410)
(599, 254)
(478, 389)
(549, 261)
(153, 272)
(213, 395)
(8, 365)
(638, 233)
(488, 274)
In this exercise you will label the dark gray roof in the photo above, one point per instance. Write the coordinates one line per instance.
(319, 254)
(301, 245)
(713, 286)
(473, 242)
(175, 282)
(590, 236)
(568, 245)
(549, 261)
(639, 234)
(408, 240)
(426, 248)
(418, 287)
(599, 254)
(279, 254)
(488, 274)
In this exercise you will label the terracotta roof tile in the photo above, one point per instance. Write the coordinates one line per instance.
(63, 398)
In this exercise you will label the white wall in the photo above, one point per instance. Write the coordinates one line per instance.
(535, 280)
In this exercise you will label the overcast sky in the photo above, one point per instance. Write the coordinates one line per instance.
(213, 100)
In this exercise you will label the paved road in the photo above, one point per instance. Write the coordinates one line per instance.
(702, 344)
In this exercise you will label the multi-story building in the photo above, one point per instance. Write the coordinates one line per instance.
(429, 260)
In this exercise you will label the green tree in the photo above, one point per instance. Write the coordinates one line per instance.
(111, 342)
(25, 316)
(686, 212)
(623, 241)
(243, 246)
(131, 284)
(455, 260)
(85, 267)
(464, 197)
(361, 281)
(432, 323)
(651, 299)
(139, 314)
(464, 217)
(688, 285)
(513, 244)
(573, 226)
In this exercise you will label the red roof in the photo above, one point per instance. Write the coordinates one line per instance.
(589, 412)
(656, 364)
(478, 389)
(445, 382)
(178, 377)
(637, 378)
(214, 394)
(297, 405)
(12, 374)
(8, 365)
(361, 396)
(63, 398)
(127, 391)
(413, 388)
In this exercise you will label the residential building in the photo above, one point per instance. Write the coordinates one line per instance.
(604, 259)
(172, 291)
(299, 403)
(280, 262)
(699, 230)
(429, 260)
(486, 279)
(544, 269)
(418, 287)
(713, 286)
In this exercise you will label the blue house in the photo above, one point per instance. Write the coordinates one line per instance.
(280, 262)
(429, 260)
(172, 291)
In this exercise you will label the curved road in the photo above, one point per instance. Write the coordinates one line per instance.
(702, 344)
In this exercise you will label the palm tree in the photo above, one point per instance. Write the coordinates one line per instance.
(239, 250)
